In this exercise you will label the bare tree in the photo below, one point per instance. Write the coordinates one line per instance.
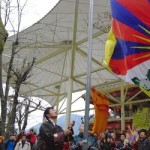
(20, 75)
(7, 10)
(3, 37)
(23, 112)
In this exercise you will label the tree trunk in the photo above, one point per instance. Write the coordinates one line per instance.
(19, 119)
(11, 126)
(3, 37)
(25, 120)
(1, 96)
(4, 110)
(21, 76)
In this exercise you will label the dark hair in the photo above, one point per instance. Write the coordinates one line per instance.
(108, 136)
(31, 130)
(123, 134)
(143, 130)
(23, 135)
(47, 111)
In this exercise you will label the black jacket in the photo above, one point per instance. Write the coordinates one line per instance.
(120, 146)
(46, 139)
(144, 144)
(108, 146)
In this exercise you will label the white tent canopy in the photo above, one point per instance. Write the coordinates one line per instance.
(59, 43)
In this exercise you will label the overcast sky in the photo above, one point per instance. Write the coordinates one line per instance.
(33, 11)
(36, 9)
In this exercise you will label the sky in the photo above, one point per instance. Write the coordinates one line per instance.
(33, 11)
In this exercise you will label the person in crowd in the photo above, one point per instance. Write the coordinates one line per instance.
(36, 136)
(78, 141)
(19, 137)
(15, 134)
(71, 125)
(31, 137)
(123, 144)
(23, 144)
(101, 140)
(114, 139)
(51, 136)
(143, 143)
(108, 144)
(11, 143)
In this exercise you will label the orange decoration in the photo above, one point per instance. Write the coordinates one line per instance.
(101, 106)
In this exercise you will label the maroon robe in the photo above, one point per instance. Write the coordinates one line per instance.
(46, 139)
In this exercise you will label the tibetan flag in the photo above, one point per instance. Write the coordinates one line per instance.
(127, 50)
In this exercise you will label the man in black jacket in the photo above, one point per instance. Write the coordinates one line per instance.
(143, 143)
(51, 136)
(123, 144)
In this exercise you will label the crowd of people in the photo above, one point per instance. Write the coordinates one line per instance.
(52, 137)
(21, 141)
(108, 141)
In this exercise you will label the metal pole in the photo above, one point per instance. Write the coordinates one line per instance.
(122, 107)
(0, 8)
(0, 109)
(70, 81)
(88, 86)
(0, 98)
(57, 104)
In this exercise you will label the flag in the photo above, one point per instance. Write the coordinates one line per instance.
(141, 119)
(127, 50)
(101, 106)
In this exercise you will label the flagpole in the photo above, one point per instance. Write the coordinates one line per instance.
(88, 85)
(0, 98)
(0, 8)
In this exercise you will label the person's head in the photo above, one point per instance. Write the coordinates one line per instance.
(31, 131)
(35, 133)
(108, 138)
(11, 137)
(102, 135)
(50, 113)
(113, 135)
(142, 133)
(23, 139)
(73, 123)
(81, 128)
(15, 133)
(122, 137)
(90, 126)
